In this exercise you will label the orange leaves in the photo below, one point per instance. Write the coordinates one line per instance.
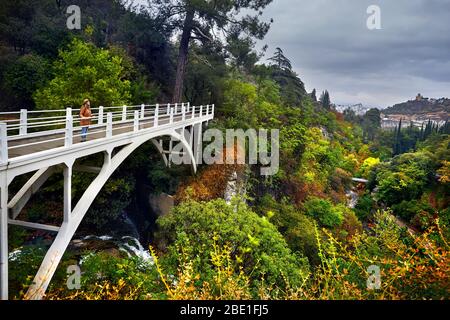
(211, 182)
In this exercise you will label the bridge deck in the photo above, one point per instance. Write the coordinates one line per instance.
(47, 139)
(28, 145)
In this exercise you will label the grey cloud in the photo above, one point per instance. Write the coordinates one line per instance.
(331, 47)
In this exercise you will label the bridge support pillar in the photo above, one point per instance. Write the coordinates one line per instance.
(197, 147)
(3, 236)
(67, 171)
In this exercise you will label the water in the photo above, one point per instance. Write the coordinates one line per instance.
(136, 248)
(14, 255)
(352, 197)
(127, 243)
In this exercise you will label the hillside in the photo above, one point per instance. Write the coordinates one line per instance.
(422, 108)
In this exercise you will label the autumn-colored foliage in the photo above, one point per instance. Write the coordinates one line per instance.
(211, 182)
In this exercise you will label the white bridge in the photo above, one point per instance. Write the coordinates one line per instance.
(44, 141)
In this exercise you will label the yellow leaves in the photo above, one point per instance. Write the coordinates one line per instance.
(309, 176)
(226, 282)
(253, 241)
(368, 164)
(444, 172)
(270, 214)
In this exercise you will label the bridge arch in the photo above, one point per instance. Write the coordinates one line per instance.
(71, 223)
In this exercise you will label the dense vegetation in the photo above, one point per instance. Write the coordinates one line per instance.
(288, 236)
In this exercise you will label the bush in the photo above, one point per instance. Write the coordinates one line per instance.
(407, 210)
(108, 277)
(258, 248)
(364, 207)
(405, 177)
(324, 211)
(350, 226)
(302, 238)
(297, 229)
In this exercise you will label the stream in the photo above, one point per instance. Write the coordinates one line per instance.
(352, 198)
(125, 240)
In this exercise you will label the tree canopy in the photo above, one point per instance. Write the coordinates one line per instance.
(83, 71)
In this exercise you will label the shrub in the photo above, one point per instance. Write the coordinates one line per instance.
(257, 247)
(405, 177)
(364, 207)
(407, 210)
(324, 211)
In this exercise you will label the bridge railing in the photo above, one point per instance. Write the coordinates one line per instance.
(22, 129)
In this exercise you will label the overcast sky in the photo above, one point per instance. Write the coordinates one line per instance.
(330, 47)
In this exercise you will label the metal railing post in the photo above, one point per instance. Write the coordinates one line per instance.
(207, 109)
(171, 115)
(3, 143)
(212, 112)
(193, 112)
(124, 113)
(23, 122)
(201, 110)
(168, 108)
(136, 120)
(100, 115)
(109, 125)
(176, 108)
(183, 112)
(142, 111)
(69, 128)
(155, 118)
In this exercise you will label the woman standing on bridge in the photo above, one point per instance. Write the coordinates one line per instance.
(85, 115)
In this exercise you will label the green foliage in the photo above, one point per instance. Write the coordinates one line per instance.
(364, 207)
(239, 106)
(258, 247)
(325, 212)
(371, 122)
(292, 89)
(110, 276)
(111, 201)
(320, 156)
(103, 266)
(205, 73)
(404, 178)
(33, 25)
(408, 271)
(367, 166)
(17, 236)
(243, 57)
(409, 209)
(301, 238)
(22, 263)
(293, 224)
(83, 71)
(24, 76)
(325, 100)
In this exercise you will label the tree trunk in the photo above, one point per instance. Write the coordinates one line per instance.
(183, 56)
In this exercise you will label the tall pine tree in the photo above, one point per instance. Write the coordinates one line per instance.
(325, 99)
